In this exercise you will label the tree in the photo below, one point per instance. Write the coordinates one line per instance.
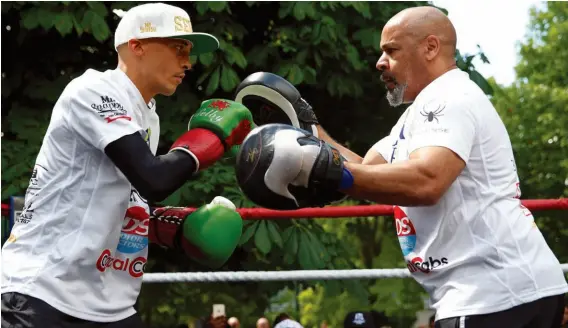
(327, 49)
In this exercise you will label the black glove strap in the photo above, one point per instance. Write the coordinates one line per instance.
(305, 113)
(326, 176)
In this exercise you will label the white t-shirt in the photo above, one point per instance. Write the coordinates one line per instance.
(478, 249)
(81, 242)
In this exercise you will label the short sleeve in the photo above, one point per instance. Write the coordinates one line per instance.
(384, 147)
(449, 124)
(100, 116)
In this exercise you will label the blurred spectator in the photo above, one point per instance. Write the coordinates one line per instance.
(359, 320)
(262, 323)
(323, 324)
(432, 321)
(565, 318)
(279, 318)
(233, 322)
(283, 320)
(219, 322)
(380, 319)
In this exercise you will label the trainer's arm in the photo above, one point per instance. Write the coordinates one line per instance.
(349, 155)
(420, 181)
(155, 177)
(438, 151)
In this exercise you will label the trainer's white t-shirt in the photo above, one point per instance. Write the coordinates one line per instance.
(81, 242)
(478, 249)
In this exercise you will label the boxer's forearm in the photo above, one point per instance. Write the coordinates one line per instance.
(405, 184)
(155, 177)
(349, 155)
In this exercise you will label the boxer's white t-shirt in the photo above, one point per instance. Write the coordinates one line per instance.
(81, 242)
(478, 249)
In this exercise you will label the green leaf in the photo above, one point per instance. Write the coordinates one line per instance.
(46, 18)
(217, 6)
(78, 27)
(481, 82)
(291, 245)
(206, 59)
(87, 20)
(98, 7)
(229, 78)
(261, 238)
(288, 231)
(317, 251)
(275, 234)
(202, 7)
(213, 82)
(173, 199)
(304, 252)
(64, 23)
(99, 28)
(295, 75)
(30, 19)
(285, 8)
(249, 232)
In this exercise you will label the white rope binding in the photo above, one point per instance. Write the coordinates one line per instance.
(281, 275)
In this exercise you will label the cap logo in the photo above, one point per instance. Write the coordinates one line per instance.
(182, 24)
(359, 319)
(147, 27)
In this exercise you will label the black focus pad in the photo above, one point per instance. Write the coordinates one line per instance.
(253, 160)
(272, 81)
(272, 99)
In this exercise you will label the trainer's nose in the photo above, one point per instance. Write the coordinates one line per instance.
(382, 63)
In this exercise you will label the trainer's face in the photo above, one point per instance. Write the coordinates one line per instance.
(165, 63)
(399, 64)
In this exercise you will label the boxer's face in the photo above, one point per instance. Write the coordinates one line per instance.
(399, 64)
(165, 62)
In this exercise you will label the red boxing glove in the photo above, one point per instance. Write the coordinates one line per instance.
(203, 145)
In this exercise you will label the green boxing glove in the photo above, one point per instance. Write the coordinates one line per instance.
(229, 120)
(208, 236)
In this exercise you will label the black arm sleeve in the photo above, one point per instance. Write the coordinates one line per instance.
(155, 177)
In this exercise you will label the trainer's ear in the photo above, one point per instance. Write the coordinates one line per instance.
(432, 47)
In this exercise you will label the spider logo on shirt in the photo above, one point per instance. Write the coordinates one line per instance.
(433, 115)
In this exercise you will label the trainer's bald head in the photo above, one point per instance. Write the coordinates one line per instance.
(419, 45)
(421, 22)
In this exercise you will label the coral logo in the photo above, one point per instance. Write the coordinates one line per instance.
(418, 264)
(134, 267)
(134, 234)
(405, 231)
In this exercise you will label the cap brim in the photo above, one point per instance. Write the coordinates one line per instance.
(202, 42)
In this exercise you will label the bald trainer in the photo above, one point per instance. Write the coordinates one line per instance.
(448, 165)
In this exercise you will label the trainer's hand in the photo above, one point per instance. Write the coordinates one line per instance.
(211, 233)
(283, 167)
(218, 126)
(272, 99)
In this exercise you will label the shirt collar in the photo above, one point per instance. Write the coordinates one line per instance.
(133, 91)
(440, 81)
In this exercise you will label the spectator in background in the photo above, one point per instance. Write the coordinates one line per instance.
(380, 319)
(233, 322)
(283, 320)
(359, 319)
(262, 323)
(565, 317)
(219, 322)
(432, 321)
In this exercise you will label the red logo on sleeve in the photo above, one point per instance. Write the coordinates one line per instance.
(112, 119)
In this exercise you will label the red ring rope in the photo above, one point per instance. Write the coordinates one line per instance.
(359, 210)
